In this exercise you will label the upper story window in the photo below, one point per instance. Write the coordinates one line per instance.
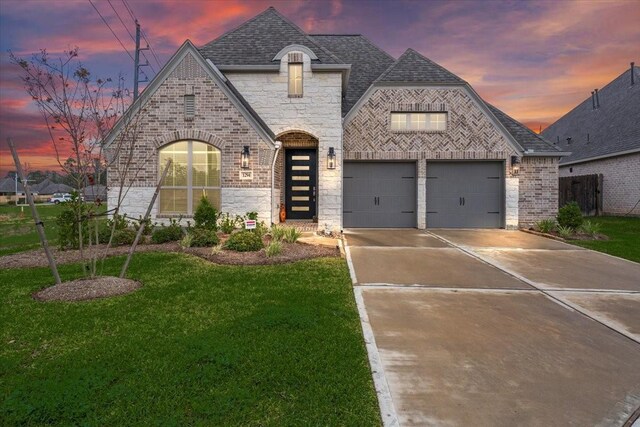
(418, 121)
(295, 75)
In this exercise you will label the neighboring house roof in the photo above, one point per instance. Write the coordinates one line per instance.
(610, 130)
(412, 67)
(528, 139)
(91, 192)
(41, 185)
(55, 188)
(258, 40)
(367, 61)
(8, 185)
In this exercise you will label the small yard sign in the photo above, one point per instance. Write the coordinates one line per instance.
(246, 175)
(250, 224)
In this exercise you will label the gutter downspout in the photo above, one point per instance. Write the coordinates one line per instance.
(277, 145)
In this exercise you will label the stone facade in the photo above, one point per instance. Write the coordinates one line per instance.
(317, 113)
(621, 181)
(538, 192)
(217, 121)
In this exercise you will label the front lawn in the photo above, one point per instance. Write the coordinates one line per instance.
(18, 231)
(623, 233)
(197, 344)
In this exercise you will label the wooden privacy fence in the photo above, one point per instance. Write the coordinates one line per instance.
(585, 190)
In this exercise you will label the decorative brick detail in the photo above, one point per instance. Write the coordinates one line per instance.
(216, 121)
(470, 132)
(620, 181)
(538, 189)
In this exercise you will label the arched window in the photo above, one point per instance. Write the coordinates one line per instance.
(194, 172)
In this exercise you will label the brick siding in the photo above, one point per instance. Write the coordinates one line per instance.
(538, 189)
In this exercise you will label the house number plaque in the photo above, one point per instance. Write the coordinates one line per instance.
(246, 175)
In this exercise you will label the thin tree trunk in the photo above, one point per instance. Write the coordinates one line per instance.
(34, 213)
(144, 220)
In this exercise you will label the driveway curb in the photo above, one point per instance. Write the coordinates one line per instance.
(385, 402)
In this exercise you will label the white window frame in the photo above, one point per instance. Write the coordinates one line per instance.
(417, 121)
(189, 187)
(295, 80)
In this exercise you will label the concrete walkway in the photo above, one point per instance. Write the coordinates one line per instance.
(494, 327)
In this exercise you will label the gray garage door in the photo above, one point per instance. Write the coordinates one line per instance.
(465, 194)
(379, 195)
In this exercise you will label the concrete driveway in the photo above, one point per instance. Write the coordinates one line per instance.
(495, 327)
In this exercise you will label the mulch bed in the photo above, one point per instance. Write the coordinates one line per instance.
(86, 289)
(576, 236)
(290, 252)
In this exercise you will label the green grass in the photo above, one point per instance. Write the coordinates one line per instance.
(623, 233)
(18, 231)
(198, 344)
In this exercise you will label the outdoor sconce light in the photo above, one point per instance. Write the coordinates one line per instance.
(331, 158)
(244, 158)
(515, 165)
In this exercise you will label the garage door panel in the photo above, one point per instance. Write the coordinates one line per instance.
(464, 194)
(379, 194)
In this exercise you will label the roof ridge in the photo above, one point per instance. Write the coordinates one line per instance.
(432, 62)
(522, 125)
(390, 67)
(362, 36)
(237, 27)
(288, 21)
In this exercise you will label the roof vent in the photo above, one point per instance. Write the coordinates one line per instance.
(633, 77)
(569, 141)
(593, 100)
(588, 138)
(597, 99)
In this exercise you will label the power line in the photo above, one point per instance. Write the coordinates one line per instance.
(144, 36)
(121, 21)
(111, 29)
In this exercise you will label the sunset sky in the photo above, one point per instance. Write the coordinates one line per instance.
(535, 60)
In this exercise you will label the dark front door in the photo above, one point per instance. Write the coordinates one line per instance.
(301, 181)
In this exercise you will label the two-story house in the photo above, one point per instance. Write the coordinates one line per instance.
(335, 130)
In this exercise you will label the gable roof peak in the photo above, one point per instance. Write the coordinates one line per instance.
(413, 67)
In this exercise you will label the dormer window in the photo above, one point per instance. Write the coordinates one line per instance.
(295, 75)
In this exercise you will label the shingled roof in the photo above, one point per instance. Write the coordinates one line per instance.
(367, 61)
(412, 67)
(259, 39)
(527, 139)
(609, 130)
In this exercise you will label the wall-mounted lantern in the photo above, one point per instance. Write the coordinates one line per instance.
(515, 165)
(331, 158)
(244, 157)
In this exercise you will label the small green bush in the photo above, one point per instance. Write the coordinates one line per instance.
(206, 215)
(570, 216)
(227, 223)
(201, 238)
(546, 225)
(291, 235)
(68, 223)
(273, 249)
(216, 249)
(277, 233)
(187, 240)
(564, 232)
(244, 241)
(171, 233)
(148, 225)
(123, 237)
(590, 228)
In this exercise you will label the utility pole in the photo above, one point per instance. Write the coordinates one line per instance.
(137, 64)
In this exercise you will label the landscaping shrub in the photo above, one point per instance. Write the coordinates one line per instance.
(67, 221)
(123, 237)
(187, 240)
(570, 216)
(273, 249)
(206, 215)
(201, 238)
(564, 232)
(277, 233)
(546, 225)
(590, 228)
(146, 223)
(291, 235)
(171, 233)
(227, 223)
(216, 249)
(244, 241)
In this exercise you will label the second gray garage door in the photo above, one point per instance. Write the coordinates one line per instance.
(465, 194)
(379, 195)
